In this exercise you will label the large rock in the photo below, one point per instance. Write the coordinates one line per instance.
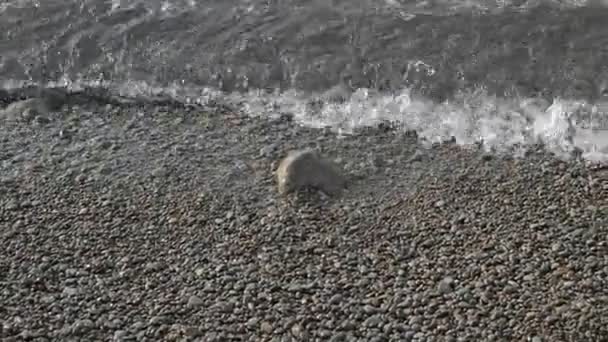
(306, 169)
(29, 109)
(37, 105)
(24, 110)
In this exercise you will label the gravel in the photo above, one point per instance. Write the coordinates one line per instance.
(152, 223)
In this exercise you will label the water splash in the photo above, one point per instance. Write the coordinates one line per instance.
(501, 125)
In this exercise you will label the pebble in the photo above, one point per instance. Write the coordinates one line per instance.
(369, 309)
(195, 302)
(200, 271)
(267, 151)
(335, 299)
(266, 327)
(297, 331)
(137, 326)
(157, 320)
(224, 307)
(12, 205)
(115, 323)
(154, 266)
(373, 321)
(191, 331)
(446, 285)
(82, 326)
(120, 335)
(252, 323)
(339, 337)
(70, 291)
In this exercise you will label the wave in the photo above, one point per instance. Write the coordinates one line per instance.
(499, 125)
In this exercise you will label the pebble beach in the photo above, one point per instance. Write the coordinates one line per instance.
(163, 223)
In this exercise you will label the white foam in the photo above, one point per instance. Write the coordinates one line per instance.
(503, 125)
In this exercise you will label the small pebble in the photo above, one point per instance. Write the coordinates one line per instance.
(195, 302)
(70, 291)
(120, 335)
(266, 328)
(446, 285)
(82, 326)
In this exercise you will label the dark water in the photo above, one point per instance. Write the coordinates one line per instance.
(435, 50)
(239, 45)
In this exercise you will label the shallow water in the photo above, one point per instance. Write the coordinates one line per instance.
(444, 68)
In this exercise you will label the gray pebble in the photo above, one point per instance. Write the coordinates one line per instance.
(252, 323)
(154, 266)
(82, 326)
(158, 320)
(120, 335)
(339, 337)
(267, 151)
(446, 285)
(297, 331)
(195, 302)
(115, 323)
(137, 326)
(335, 299)
(373, 321)
(408, 335)
(191, 331)
(200, 271)
(224, 306)
(12, 205)
(70, 291)
(266, 327)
